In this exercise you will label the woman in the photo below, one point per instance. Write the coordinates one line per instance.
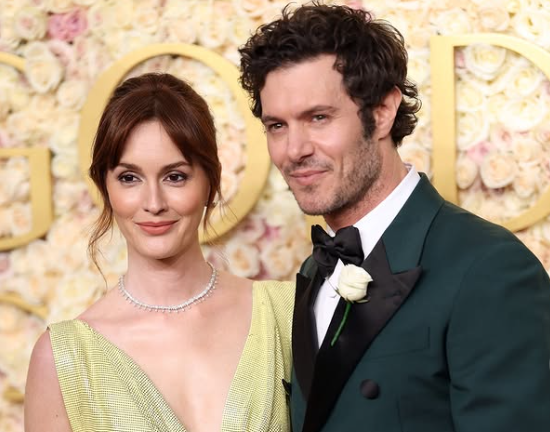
(129, 362)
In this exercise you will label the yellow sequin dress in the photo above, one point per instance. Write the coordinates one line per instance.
(105, 390)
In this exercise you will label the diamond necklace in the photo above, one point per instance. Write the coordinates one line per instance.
(176, 308)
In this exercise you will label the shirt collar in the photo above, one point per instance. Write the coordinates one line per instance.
(373, 224)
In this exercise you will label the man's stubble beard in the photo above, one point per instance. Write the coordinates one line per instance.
(354, 187)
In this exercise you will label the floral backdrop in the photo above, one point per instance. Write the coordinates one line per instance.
(503, 138)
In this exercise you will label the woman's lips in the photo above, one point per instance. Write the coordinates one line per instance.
(156, 228)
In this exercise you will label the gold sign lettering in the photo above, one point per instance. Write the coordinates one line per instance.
(443, 109)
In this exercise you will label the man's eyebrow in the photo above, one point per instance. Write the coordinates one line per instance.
(268, 118)
(307, 113)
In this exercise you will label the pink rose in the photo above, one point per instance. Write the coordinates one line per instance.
(355, 4)
(478, 151)
(6, 269)
(67, 26)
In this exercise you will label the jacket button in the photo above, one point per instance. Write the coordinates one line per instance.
(370, 389)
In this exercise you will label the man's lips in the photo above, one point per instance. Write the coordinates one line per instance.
(306, 177)
(156, 228)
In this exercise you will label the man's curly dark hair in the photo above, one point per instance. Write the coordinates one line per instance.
(370, 55)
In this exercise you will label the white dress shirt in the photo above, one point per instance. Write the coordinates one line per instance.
(371, 227)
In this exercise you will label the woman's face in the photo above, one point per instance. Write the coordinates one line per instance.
(157, 197)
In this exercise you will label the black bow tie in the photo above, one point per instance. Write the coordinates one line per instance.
(345, 245)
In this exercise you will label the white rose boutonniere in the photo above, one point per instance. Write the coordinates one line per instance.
(352, 287)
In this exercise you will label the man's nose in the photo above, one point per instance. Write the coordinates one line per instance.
(299, 145)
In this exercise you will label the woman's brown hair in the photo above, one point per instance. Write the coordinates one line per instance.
(179, 109)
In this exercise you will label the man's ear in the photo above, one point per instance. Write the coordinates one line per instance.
(384, 114)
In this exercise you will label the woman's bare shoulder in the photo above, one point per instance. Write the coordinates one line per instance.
(44, 408)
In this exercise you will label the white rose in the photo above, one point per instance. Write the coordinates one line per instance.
(218, 104)
(213, 34)
(525, 114)
(19, 127)
(230, 154)
(44, 74)
(40, 254)
(37, 50)
(179, 29)
(493, 17)
(244, 260)
(9, 41)
(483, 60)
(466, 172)
(72, 94)
(252, 228)
(525, 183)
(419, 38)
(20, 218)
(122, 42)
(250, 8)
(84, 2)
(229, 184)
(19, 97)
(353, 282)
(453, 21)
(146, 20)
(114, 254)
(494, 106)
(472, 128)
(277, 259)
(59, 6)
(97, 18)
(65, 133)
(6, 269)
(74, 293)
(239, 30)
(526, 149)
(276, 181)
(67, 195)
(471, 200)
(120, 14)
(418, 68)
(498, 170)
(417, 156)
(8, 76)
(10, 319)
(534, 25)
(470, 96)
(523, 80)
(15, 178)
(65, 165)
(281, 209)
(30, 23)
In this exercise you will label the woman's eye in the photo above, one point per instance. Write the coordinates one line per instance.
(127, 178)
(176, 177)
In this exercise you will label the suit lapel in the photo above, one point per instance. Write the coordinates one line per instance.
(387, 293)
(394, 267)
(304, 332)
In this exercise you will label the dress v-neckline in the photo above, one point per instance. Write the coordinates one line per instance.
(145, 378)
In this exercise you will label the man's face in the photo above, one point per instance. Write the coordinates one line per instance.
(315, 137)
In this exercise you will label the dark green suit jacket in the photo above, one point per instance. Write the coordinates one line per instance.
(455, 337)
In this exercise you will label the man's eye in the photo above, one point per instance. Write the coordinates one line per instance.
(319, 117)
(274, 126)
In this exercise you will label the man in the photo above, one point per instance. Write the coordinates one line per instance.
(453, 333)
